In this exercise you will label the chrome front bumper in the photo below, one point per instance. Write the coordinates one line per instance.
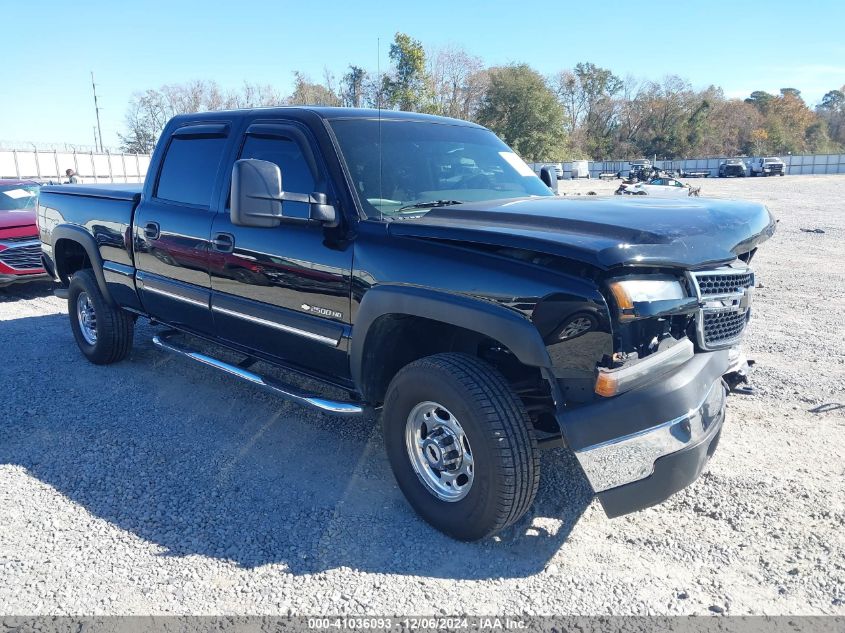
(630, 458)
(640, 447)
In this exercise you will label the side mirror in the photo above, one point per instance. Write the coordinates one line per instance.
(257, 196)
(548, 176)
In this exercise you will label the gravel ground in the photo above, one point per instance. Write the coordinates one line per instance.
(154, 486)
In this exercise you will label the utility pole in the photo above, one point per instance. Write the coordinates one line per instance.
(97, 112)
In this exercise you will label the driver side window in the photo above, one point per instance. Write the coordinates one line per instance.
(296, 174)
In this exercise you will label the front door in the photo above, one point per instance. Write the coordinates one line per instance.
(285, 290)
(172, 229)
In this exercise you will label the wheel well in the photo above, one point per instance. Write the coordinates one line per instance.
(70, 258)
(395, 340)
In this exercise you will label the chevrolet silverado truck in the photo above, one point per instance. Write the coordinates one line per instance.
(418, 267)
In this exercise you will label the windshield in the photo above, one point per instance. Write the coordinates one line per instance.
(772, 160)
(423, 165)
(18, 197)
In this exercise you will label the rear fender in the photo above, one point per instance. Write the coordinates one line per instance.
(83, 238)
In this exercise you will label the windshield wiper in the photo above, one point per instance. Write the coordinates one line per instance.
(430, 204)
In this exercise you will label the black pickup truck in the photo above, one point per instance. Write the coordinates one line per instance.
(418, 265)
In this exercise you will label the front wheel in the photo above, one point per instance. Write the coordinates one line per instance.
(102, 331)
(461, 445)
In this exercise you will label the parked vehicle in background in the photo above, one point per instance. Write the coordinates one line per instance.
(732, 167)
(695, 173)
(640, 170)
(555, 168)
(482, 315)
(658, 188)
(580, 169)
(20, 248)
(767, 166)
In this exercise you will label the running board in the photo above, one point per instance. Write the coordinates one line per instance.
(285, 391)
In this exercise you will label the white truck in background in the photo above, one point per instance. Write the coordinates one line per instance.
(766, 166)
(580, 169)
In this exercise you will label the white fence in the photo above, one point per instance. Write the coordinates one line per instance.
(91, 167)
(795, 165)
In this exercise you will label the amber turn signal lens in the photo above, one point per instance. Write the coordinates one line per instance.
(623, 299)
(606, 385)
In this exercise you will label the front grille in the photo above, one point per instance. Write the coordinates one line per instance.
(10, 240)
(728, 283)
(725, 305)
(22, 257)
(723, 327)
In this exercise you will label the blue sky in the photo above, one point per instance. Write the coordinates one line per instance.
(130, 46)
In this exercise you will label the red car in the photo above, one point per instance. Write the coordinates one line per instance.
(20, 249)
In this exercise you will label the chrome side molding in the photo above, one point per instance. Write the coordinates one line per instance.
(287, 392)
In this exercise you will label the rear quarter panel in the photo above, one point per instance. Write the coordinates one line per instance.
(107, 219)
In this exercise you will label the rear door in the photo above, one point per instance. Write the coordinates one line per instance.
(284, 291)
(172, 227)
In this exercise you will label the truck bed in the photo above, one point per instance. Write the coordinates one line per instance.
(114, 191)
(104, 212)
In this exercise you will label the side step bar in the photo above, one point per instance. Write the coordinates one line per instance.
(285, 391)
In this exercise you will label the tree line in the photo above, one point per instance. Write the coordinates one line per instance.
(583, 112)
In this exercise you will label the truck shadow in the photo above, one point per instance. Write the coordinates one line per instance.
(17, 292)
(200, 464)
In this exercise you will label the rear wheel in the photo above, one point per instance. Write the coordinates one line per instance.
(461, 445)
(103, 332)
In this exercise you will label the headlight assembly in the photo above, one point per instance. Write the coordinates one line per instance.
(629, 292)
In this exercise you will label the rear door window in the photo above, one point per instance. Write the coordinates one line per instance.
(189, 171)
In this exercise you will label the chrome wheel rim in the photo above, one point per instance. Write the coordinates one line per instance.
(439, 451)
(87, 318)
(576, 327)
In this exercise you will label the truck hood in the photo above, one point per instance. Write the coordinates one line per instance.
(13, 219)
(604, 232)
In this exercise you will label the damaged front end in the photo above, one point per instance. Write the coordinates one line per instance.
(662, 320)
(659, 397)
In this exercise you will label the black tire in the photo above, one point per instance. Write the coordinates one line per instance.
(498, 430)
(114, 327)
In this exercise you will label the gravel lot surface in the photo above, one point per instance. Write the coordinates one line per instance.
(157, 486)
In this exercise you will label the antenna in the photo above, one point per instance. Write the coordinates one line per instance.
(378, 106)
(97, 112)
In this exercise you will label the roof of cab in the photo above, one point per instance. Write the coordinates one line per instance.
(331, 113)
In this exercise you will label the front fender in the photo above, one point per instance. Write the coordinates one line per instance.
(508, 327)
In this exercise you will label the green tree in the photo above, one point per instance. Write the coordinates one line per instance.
(524, 112)
(832, 112)
(760, 99)
(352, 87)
(307, 93)
(587, 94)
(407, 88)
